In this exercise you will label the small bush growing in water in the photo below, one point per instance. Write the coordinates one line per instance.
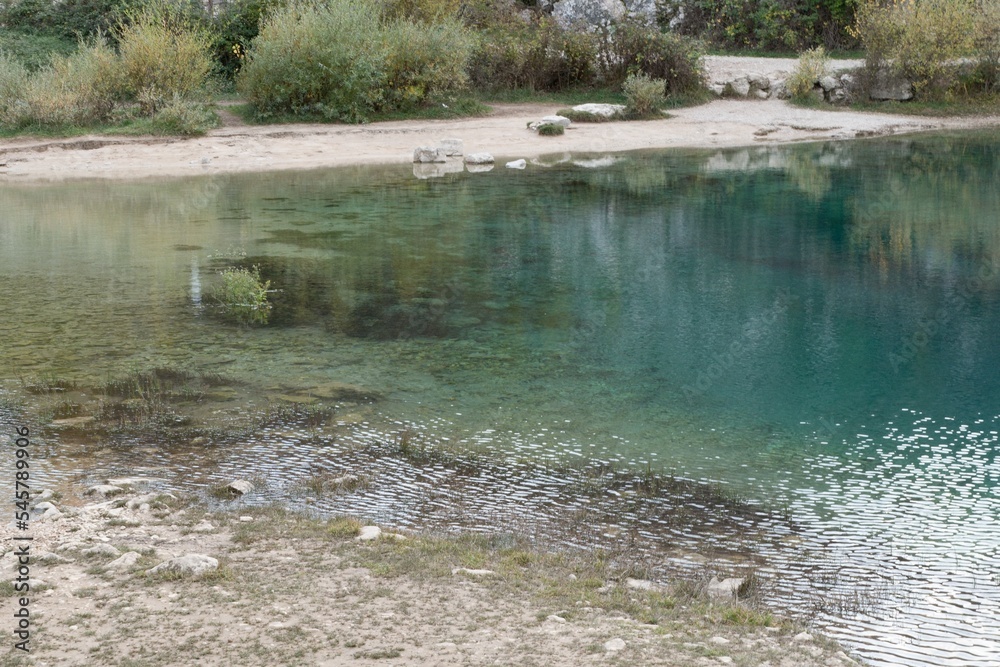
(643, 95)
(808, 71)
(242, 296)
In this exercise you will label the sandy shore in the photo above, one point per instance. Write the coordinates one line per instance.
(242, 148)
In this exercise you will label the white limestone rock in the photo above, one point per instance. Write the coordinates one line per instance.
(425, 154)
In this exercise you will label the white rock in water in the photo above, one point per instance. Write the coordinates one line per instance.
(369, 533)
(191, 564)
(428, 154)
(517, 164)
(240, 487)
(615, 644)
(451, 147)
(478, 158)
(556, 120)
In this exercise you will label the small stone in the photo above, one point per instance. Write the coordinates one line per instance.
(516, 164)
(203, 527)
(124, 562)
(802, 637)
(240, 487)
(369, 533)
(471, 572)
(761, 94)
(555, 619)
(246, 519)
(189, 564)
(105, 490)
(49, 558)
(725, 589)
(718, 640)
(615, 644)
(101, 550)
(478, 158)
(717, 88)
(640, 584)
(451, 147)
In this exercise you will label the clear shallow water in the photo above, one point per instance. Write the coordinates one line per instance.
(814, 325)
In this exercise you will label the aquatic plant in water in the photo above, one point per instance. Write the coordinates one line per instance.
(242, 296)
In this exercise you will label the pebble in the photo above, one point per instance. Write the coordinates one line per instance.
(615, 644)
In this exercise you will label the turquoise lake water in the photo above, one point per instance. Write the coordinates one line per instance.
(816, 326)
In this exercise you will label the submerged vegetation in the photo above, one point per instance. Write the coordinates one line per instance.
(242, 296)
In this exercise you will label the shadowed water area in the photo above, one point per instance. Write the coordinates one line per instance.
(814, 328)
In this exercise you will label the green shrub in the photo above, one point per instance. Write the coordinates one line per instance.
(919, 41)
(550, 129)
(66, 19)
(643, 95)
(242, 296)
(424, 60)
(987, 40)
(812, 67)
(539, 55)
(180, 116)
(328, 60)
(164, 52)
(632, 46)
(32, 50)
(79, 89)
(13, 89)
(775, 25)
